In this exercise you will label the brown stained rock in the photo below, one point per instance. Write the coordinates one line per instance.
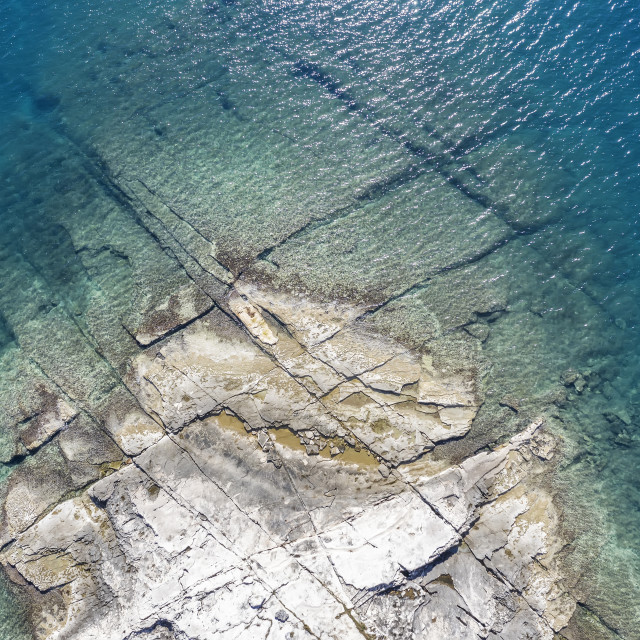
(212, 365)
(310, 322)
(394, 375)
(352, 352)
(459, 419)
(134, 431)
(317, 376)
(442, 390)
(252, 319)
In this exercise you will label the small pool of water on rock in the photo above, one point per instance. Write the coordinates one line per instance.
(332, 448)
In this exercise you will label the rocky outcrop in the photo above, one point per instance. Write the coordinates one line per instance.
(279, 484)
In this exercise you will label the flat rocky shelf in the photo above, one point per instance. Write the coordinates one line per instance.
(277, 480)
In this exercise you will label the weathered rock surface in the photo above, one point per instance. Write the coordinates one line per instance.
(282, 488)
(352, 384)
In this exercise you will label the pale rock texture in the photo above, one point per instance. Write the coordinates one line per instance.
(281, 487)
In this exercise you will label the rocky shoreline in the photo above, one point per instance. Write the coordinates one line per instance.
(276, 482)
(230, 251)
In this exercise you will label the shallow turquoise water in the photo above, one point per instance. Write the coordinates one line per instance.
(407, 125)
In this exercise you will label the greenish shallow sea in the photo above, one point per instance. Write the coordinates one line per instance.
(470, 166)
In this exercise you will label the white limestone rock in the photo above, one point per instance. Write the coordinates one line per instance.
(189, 535)
(455, 492)
(218, 529)
(252, 319)
(378, 547)
(310, 322)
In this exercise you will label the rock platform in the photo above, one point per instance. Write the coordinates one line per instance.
(277, 481)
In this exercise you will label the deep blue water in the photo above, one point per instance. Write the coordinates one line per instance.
(540, 98)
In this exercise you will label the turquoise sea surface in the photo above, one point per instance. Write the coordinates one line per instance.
(476, 162)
